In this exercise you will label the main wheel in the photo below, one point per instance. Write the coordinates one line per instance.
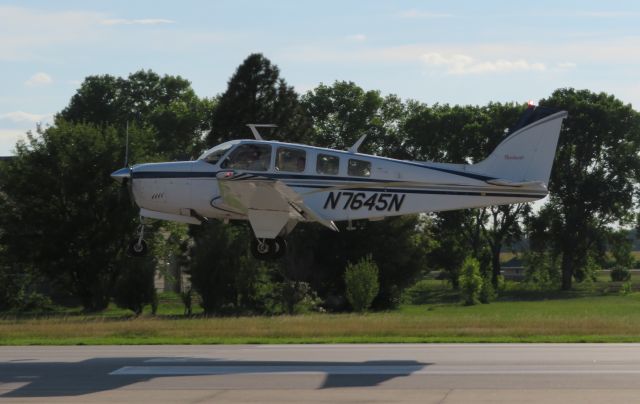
(137, 249)
(268, 249)
(280, 247)
(262, 249)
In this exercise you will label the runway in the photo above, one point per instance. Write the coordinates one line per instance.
(425, 373)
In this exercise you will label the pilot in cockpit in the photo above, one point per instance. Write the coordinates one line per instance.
(250, 157)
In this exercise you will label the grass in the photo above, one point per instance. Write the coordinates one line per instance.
(592, 313)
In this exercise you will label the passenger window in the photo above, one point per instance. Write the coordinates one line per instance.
(288, 159)
(359, 168)
(252, 157)
(326, 164)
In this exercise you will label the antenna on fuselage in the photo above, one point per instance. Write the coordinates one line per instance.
(354, 148)
(255, 132)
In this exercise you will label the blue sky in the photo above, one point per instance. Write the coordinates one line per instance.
(458, 52)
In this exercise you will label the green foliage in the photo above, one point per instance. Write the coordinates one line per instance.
(186, 297)
(418, 293)
(295, 298)
(626, 288)
(593, 179)
(361, 283)
(62, 214)
(470, 281)
(18, 290)
(216, 256)
(343, 112)
(398, 246)
(452, 246)
(590, 270)
(257, 94)
(135, 286)
(487, 291)
(620, 274)
(542, 270)
(166, 105)
(621, 247)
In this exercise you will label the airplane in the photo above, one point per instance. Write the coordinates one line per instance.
(275, 185)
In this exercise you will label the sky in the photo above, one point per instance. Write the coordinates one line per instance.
(456, 52)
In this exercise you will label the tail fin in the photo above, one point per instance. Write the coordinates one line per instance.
(527, 154)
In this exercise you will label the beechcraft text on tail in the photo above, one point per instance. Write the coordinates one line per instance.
(275, 185)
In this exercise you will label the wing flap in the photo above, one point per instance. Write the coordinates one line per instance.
(268, 204)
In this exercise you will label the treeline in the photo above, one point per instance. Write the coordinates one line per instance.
(65, 224)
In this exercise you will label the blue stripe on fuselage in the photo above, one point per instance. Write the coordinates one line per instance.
(212, 174)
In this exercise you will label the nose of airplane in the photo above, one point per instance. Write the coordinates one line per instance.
(121, 174)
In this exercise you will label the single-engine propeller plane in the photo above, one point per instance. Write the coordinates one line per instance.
(275, 185)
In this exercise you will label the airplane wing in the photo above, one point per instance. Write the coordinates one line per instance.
(269, 204)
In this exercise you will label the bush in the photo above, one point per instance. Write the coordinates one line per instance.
(620, 274)
(135, 287)
(361, 283)
(470, 281)
(296, 297)
(18, 291)
(541, 270)
(626, 288)
(487, 292)
(418, 293)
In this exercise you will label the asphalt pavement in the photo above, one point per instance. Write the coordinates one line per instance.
(425, 373)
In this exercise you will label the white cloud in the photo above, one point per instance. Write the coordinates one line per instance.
(39, 79)
(8, 140)
(422, 14)
(20, 116)
(608, 14)
(464, 64)
(26, 32)
(566, 65)
(357, 38)
(37, 34)
(143, 21)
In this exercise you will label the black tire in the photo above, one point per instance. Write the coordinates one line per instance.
(280, 245)
(138, 249)
(262, 251)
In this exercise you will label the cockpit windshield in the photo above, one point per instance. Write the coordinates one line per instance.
(212, 156)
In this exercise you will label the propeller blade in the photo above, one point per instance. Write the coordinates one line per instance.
(121, 174)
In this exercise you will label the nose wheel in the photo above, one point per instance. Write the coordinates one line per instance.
(268, 249)
(138, 247)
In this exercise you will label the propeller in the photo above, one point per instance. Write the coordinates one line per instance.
(124, 175)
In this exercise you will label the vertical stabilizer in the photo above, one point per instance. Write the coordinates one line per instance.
(527, 154)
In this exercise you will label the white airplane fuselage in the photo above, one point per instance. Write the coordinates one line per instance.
(394, 187)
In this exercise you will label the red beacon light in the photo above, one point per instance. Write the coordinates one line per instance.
(225, 175)
(531, 104)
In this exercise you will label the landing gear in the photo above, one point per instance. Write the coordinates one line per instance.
(268, 249)
(138, 247)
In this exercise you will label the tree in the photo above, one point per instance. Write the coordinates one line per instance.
(61, 212)
(257, 94)
(620, 247)
(167, 105)
(503, 227)
(135, 287)
(343, 112)
(466, 134)
(593, 181)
